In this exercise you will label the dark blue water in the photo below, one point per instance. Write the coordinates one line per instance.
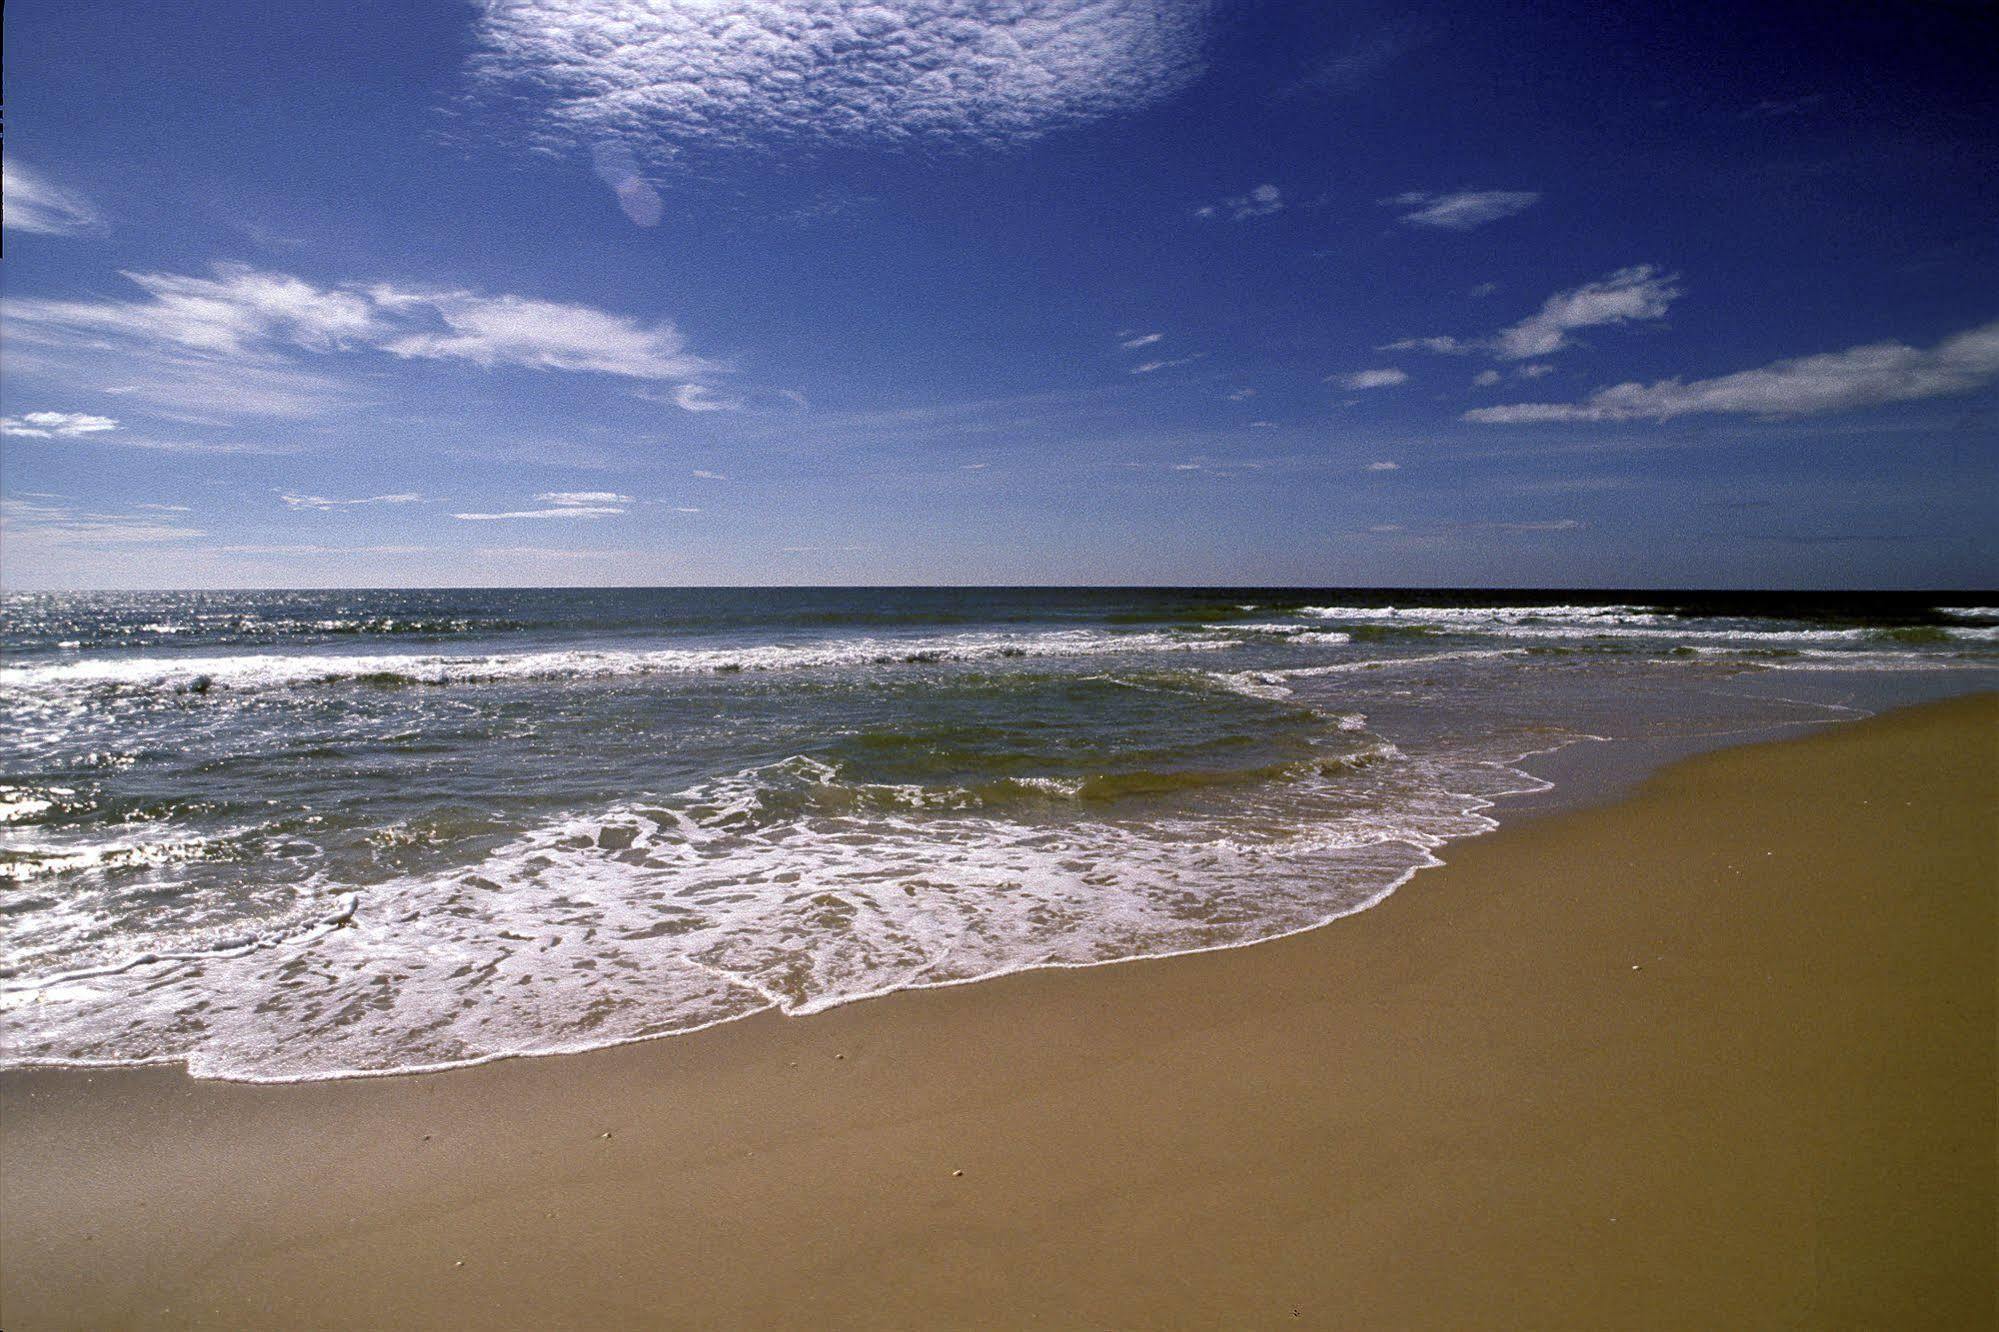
(307, 834)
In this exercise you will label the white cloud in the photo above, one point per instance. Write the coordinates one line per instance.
(709, 476)
(696, 398)
(56, 425)
(1259, 202)
(1463, 209)
(544, 335)
(1638, 292)
(584, 497)
(240, 311)
(1241, 395)
(245, 315)
(667, 76)
(32, 204)
(1148, 367)
(1371, 379)
(576, 504)
(1442, 346)
(321, 502)
(37, 524)
(1486, 378)
(1867, 376)
(1534, 370)
(193, 389)
(1384, 467)
(561, 511)
(1142, 340)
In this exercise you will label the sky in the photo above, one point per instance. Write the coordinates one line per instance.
(655, 292)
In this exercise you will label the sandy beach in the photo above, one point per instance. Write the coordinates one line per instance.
(1718, 1054)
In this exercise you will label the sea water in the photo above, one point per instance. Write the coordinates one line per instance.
(298, 835)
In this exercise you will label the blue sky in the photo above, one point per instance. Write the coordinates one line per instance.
(1049, 291)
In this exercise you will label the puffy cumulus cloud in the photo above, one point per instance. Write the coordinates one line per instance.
(1461, 210)
(1371, 379)
(1259, 202)
(56, 425)
(1486, 378)
(240, 313)
(1869, 376)
(31, 203)
(668, 76)
(1638, 292)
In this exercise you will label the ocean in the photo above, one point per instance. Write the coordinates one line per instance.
(283, 836)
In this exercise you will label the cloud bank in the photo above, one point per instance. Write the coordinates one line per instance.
(1868, 376)
(667, 76)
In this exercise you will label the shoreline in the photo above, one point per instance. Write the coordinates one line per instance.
(1327, 1126)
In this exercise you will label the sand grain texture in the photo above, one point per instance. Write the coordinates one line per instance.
(1721, 1054)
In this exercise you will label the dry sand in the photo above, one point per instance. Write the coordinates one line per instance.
(1719, 1055)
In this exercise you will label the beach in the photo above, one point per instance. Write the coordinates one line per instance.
(1720, 1053)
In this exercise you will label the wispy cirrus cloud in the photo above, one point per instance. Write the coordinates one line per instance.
(1460, 210)
(1259, 202)
(33, 204)
(1440, 346)
(322, 503)
(1867, 376)
(240, 316)
(561, 504)
(1151, 367)
(37, 523)
(669, 77)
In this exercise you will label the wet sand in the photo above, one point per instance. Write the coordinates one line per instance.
(1719, 1054)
